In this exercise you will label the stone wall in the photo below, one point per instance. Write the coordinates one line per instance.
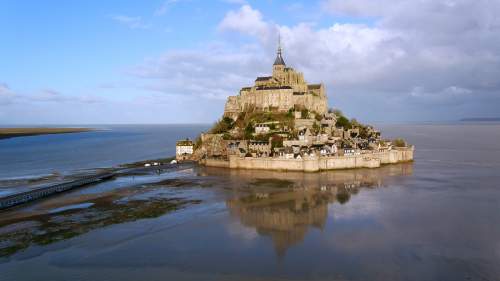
(232, 107)
(308, 123)
(280, 99)
(305, 165)
(403, 154)
(315, 164)
(268, 98)
(283, 90)
(215, 163)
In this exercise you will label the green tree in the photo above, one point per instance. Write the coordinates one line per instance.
(363, 132)
(261, 137)
(399, 142)
(276, 141)
(249, 130)
(222, 126)
(342, 121)
(197, 142)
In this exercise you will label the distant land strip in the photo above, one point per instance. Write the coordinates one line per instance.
(495, 119)
(6, 133)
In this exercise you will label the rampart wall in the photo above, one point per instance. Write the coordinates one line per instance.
(314, 164)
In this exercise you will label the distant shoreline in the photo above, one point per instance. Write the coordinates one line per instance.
(6, 133)
(496, 119)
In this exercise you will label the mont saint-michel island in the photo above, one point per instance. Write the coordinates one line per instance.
(284, 123)
(237, 140)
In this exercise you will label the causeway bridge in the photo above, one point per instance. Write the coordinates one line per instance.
(31, 195)
(35, 194)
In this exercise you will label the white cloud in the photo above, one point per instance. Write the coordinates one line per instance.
(246, 20)
(436, 45)
(211, 73)
(409, 58)
(49, 95)
(448, 95)
(7, 96)
(361, 7)
(131, 22)
(416, 56)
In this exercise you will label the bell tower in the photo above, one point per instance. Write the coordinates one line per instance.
(279, 63)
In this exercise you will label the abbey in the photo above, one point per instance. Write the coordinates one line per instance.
(286, 89)
(283, 123)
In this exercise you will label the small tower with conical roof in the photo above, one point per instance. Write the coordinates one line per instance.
(279, 63)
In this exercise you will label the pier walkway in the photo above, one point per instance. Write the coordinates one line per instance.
(32, 195)
(24, 197)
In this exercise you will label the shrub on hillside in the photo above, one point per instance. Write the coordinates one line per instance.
(399, 142)
(222, 126)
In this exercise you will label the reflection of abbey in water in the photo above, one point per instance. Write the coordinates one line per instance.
(284, 207)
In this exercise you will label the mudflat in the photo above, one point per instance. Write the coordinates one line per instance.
(23, 132)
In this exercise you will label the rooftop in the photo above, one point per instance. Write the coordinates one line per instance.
(263, 78)
(185, 142)
(313, 86)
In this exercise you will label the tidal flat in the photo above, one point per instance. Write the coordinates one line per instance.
(6, 133)
(433, 219)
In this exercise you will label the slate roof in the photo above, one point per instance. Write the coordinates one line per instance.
(279, 59)
(263, 78)
(185, 142)
(313, 86)
(273, 88)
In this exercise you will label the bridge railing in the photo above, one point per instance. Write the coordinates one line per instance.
(23, 197)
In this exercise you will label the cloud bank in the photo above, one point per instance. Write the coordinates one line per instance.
(381, 60)
(415, 60)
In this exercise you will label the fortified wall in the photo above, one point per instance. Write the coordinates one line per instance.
(315, 164)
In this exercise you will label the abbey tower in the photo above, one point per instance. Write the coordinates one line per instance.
(284, 90)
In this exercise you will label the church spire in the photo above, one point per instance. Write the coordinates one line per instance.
(279, 59)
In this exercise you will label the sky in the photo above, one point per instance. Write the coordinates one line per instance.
(176, 61)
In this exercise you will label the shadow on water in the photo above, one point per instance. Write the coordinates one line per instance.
(285, 205)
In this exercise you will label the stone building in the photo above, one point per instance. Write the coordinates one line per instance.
(183, 150)
(261, 148)
(237, 147)
(283, 90)
(262, 129)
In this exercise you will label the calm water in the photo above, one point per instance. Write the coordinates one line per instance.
(434, 219)
(108, 146)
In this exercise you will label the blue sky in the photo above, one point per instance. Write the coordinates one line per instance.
(82, 62)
